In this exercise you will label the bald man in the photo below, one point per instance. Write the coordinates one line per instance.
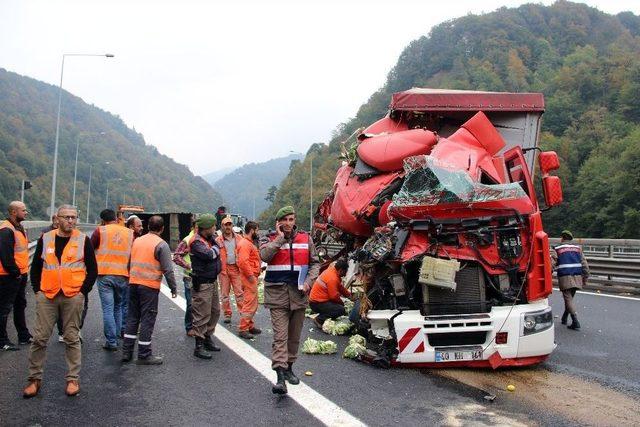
(14, 265)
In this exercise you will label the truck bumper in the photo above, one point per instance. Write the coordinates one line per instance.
(495, 339)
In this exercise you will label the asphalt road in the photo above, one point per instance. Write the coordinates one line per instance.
(601, 362)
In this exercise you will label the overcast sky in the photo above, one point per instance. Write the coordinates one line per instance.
(218, 84)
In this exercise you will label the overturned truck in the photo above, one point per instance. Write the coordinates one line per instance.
(436, 207)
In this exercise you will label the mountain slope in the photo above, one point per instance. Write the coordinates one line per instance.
(133, 171)
(586, 62)
(251, 182)
(213, 177)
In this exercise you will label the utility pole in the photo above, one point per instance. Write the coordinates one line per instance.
(89, 193)
(311, 195)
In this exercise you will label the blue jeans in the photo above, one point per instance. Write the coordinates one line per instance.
(188, 318)
(125, 304)
(113, 290)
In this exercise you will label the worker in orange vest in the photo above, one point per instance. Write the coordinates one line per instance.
(230, 275)
(112, 244)
(63, 271)
(325, 298)
(150, 260)
(249, 265)
(14, 265)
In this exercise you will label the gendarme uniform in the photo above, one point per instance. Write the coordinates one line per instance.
(572, 269)
(291, 263)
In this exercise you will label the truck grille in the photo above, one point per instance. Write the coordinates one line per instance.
(469, 296)
(457, 338)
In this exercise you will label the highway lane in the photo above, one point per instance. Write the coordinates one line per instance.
(228, 391)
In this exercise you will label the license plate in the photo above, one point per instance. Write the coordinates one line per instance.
(458, 354)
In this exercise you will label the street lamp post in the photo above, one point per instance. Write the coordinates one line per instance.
(311, 195)
(55, 150)
(75, 170)
(89, 193)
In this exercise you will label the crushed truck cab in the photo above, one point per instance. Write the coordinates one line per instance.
(436, 209)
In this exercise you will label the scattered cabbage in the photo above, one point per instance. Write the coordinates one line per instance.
(311, 346)
(354, 350)
(358, 339)
(340, 327)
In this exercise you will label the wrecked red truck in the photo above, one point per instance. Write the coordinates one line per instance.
(435, 206)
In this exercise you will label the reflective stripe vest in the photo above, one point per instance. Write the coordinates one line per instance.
(20, 249)
(145, 268)
(569, 260)
(68, 274)
(291, 263)
(114, 250)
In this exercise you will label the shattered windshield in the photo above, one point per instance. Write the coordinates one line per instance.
(429, 181)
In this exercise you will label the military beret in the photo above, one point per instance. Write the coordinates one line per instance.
(287, 210)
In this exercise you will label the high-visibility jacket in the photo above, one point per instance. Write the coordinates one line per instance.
(187, 257)
(20, 249)
(291, 263)
(569, 260)
(223, 250)
(68, 274)
(328, 287)
(145, 268)
(114, 250)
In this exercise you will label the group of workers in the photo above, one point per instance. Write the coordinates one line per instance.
(129, 267)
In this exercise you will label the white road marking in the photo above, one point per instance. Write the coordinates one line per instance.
(319, 406)
(604, 295)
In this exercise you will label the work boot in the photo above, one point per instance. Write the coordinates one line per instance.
(73, 388)
(9, 346)
(246, 335)
(255, 331)
(151, 360)
(32, 389)
(575, 325)
(563, 319)
(280, 387)
(200, 350)
(290, 376)
(227, 319)
(127, 355)
(209, 345)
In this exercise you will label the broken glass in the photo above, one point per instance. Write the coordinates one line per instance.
(429, 181)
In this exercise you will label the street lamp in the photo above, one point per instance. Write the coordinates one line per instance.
(89, 193)
(75, 170)
(106, 199)
(55, 150)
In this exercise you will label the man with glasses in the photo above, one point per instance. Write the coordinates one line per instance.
(63, 271)
(14, 265)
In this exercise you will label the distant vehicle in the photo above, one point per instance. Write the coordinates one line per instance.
(130, 209)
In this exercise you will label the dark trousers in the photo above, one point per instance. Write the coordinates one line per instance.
(8, 290)
(84, 314)
(19, 306)
(141, 312)
(327, 310)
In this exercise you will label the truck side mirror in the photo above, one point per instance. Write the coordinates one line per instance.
(548, 161)
(552, 188)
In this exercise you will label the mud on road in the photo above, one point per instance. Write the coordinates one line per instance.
(579, 400)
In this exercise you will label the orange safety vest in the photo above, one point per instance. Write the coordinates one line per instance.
(145, 268)
(69, 274)
(20, 249)
(114, 250)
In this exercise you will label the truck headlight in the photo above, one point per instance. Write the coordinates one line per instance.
(536, 321)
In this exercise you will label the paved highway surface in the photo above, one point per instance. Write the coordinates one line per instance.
(593, 377)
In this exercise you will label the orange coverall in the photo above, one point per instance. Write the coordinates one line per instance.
(249, 264)
(230, 277)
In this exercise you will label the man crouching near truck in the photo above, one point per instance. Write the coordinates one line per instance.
(292, 267)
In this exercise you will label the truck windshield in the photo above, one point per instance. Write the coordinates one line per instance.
(429, 181)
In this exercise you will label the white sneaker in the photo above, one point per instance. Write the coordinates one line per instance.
(60, 338)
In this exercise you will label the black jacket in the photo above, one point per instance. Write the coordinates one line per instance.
(205, 261)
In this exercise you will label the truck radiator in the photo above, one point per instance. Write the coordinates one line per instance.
(469, 296)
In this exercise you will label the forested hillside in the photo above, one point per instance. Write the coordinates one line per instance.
(120, 159)
(586, 62)
(246, 189)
